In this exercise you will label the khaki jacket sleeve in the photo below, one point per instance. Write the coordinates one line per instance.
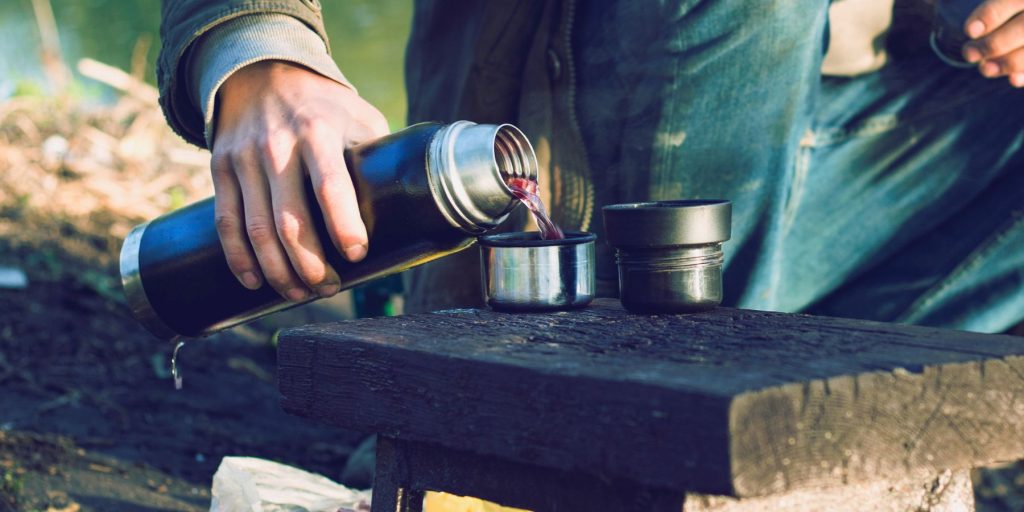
(185, 21)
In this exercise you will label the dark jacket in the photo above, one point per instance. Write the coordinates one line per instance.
(488, 62)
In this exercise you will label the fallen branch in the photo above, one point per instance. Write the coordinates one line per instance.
(118, 79)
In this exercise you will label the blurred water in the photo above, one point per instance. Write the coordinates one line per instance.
(367, 37)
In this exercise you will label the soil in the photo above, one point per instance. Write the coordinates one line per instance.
(89, 418)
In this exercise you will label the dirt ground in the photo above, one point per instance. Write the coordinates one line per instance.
(89, 418)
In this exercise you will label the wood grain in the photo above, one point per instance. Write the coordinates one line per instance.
(733, 402)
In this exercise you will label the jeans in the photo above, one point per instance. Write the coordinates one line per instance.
(894, 196)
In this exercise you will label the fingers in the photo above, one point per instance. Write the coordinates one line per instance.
(261, 229)
(991, 15)
(230, 222)
(335, 192)
(273, 120)
(294, 223)
(1000, 41)
(997, 27)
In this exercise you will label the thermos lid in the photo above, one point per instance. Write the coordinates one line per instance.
(668, 223)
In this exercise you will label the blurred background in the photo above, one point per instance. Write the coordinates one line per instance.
(367, 36)
(89, 418)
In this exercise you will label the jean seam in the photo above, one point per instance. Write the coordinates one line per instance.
(969, 263)
(801, 168)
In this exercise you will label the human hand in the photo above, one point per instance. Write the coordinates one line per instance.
(996, 28)
(278, 125)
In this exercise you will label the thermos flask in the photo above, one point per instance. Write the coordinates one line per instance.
(424, 192)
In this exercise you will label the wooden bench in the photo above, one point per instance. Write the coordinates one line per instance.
(599, 409)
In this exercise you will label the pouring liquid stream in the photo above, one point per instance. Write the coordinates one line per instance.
(525, 191)
(175, 372)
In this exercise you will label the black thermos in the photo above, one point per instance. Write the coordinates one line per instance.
(424, 192)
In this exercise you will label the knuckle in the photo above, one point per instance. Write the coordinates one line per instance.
(1014, 63)
(993, 46)
(272, 150)
(315, 277)
(238, 259)
(220, 162)
(290, 227)
(260, 230)
(988, 14)
(327, 184)
(310, 127)
(227, 224)
(239, 157)
(278, 280)
(994, 13)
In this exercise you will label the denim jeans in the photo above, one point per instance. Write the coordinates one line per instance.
(894, 196)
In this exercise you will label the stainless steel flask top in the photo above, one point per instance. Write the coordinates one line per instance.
(468, 167)
(424, 192)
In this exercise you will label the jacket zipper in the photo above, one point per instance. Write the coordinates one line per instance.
(570, 70)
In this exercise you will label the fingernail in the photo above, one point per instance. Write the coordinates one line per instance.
(250, 281)
(972, 55)
(297, 294)
(1017, 80)
(975, 29)
(990, 69)
(355, 252)
(328, 290)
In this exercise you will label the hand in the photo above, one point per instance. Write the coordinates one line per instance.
(996, 28)
(278, 125)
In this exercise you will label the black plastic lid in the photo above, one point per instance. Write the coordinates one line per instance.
(668, 223)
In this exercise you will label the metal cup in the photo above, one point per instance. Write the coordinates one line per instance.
(522, 272)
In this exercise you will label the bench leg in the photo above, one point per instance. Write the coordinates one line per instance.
(405, 470)
(391, 490)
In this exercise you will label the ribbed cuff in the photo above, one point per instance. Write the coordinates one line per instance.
(245, 40)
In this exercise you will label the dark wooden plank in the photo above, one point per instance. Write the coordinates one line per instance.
(725, 402)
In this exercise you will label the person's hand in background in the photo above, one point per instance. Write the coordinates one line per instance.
(996, 28)
(279, 125)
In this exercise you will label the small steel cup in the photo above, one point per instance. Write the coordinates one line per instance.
(522, 272)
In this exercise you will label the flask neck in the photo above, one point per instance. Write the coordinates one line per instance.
(468, 166)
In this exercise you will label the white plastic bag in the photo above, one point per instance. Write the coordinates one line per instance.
(247, 484)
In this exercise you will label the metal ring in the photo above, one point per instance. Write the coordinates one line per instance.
(134, 292)
(945, 58)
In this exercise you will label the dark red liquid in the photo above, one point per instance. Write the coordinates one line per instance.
(526, 191)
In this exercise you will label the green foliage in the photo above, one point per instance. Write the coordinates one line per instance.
(11, 485)
(104, 285)
(177, 196)
(30, 89)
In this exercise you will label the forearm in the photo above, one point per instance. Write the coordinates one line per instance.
(246, 40)
(183, 23)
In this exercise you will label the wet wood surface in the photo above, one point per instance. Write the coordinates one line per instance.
(729, 402)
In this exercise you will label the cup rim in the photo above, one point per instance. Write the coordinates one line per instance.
(532, 239)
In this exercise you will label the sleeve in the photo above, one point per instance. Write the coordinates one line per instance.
(246, 40)
(183, 22)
